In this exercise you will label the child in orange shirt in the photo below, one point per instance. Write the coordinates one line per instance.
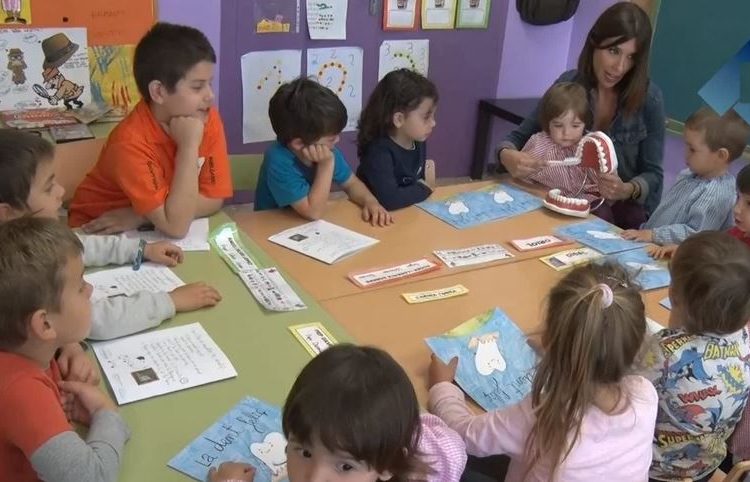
(166, 163)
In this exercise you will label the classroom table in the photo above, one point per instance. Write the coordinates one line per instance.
(414, 235)
(265, 355)
(400, 328)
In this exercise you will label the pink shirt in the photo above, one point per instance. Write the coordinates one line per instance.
(442, 449)
(610, 447)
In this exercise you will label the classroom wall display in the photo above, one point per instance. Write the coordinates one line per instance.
(400, 14)
(438, 14)
(404, 54)
(326, 19)
(473, 13)
(112, 81)
(263, 73)
(44, 68)
(276, 16)
(340, 69)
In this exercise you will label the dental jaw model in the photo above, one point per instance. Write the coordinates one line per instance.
(595, 151)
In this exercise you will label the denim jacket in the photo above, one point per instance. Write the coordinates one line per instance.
(638, 141)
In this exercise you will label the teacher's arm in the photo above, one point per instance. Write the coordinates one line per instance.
(650, 176)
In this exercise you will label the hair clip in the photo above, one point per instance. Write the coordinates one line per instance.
(607, 296)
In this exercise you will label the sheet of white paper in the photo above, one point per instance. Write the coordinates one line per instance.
(72, 83)
(195, 240)
(323, 241)
(401, 13)
(231, 247)
(163, 361)
(124, 281)
(404, 54)
(472, 255)
(326, 19)
(340, 69)
(271, 290)
(262, 74)
(393, 273)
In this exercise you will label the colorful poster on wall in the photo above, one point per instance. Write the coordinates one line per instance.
(404, 54)
(112, 80)
(438, 14)
(473, 13)
(262, 74)
(400, 14)
(276, 16)
(109, 22)
(340, 69)
(326, 19)
(45, 68)
(16, 13)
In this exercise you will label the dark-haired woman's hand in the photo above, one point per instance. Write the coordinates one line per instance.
(519, 164)
(441, 372)
(612, 188)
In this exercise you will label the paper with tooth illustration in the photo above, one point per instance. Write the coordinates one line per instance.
(495, 364)
(484, 253)
(124, 281)
(646, 271)
(473, 208)
(379, 276)
(250, 432)
(569, 258)
(598, 234)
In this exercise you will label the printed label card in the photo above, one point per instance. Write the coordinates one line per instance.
(484, 253)
(538, 242)
(435, 295)
(379, 276)
(313, 337)
(569, 258)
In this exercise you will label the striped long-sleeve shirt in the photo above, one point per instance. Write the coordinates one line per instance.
(693, 204)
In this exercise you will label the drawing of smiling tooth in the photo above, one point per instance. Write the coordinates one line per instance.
(488, 357)
(603, 234)
(272, 452)
(501, 197)
(457, 207)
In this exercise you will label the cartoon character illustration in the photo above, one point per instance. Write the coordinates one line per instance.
(691, 366)
(272, 452)
(17, 66)
(488, 357)
(58, 49)
(13, 11)
(501, 197)
(457, 207)
(733, 380)
(603, 234)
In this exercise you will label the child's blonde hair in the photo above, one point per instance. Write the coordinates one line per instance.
(561, 98)
(594, 326)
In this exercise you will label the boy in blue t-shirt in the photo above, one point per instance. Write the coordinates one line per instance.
(299, 167)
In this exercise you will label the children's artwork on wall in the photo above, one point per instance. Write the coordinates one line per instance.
(326, 19)
(276, 16)
(495, 364)
(400, 14)
(17, 12)
(112, 80)
(44, 68)
(438, 14)
(647, 272)
(473, 13)
(250, 433)
(404, 54)
(340, 69)
(473, 208)
(262, 74)
(598, 234)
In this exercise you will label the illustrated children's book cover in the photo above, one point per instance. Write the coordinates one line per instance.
(495, 364)
(649, 273)
(598, 234)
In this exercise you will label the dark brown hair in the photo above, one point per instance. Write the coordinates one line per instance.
(743, 180)
(620, 22)
(728, 131)
(20, 155)
(399, 91)
(33, 257)
(306, 110)
(166, 53)
(559, 99)
(357, 400)
(711, 282)
(588, 345)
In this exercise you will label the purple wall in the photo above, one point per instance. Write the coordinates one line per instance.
(201, 14)
(463, 63)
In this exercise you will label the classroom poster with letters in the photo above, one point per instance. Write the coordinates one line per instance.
(400, 14)
(340, 69)
(404, 54)
(438, 14)
(495, 364)
(473, 13)
(262, 74)
(250, 432)
(326, 19)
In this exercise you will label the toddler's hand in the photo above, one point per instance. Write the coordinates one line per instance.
(76, 366)
(661, 252)
(164, 253)
(376, 214)
(231, 471)
(85, 401)
(441, 372)
(642, 235)
(194, 297)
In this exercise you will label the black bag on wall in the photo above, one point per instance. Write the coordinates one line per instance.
(546, 12)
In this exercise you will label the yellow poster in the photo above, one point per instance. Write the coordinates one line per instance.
(16, 12)
(112, 78)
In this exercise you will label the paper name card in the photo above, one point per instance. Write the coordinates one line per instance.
(163, 361)
(569, 258)
(323, 241)
(313, 337)
(196, 238)
(484, 253)
(271, 290)
(393, 273)
(124, 281)
(538, 242)
(435, 295)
